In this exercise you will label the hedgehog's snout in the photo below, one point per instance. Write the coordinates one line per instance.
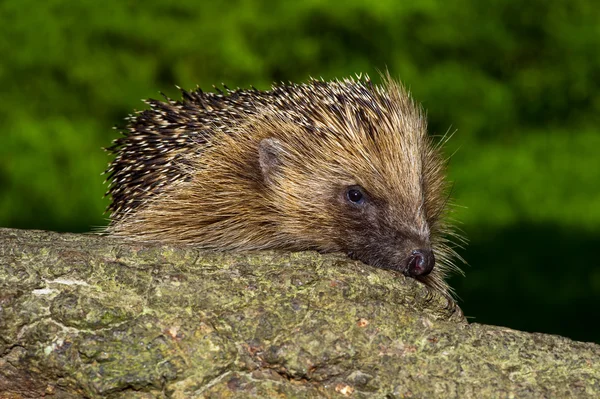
(420, 262)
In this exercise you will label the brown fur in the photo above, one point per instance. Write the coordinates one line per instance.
(247, 170)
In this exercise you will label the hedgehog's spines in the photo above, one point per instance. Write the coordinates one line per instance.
(186, 95)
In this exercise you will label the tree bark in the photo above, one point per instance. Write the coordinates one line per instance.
(84, 316)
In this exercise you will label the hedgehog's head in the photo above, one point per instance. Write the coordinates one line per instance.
(365, 180)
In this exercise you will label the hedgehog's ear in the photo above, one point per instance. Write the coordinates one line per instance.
(270, 151)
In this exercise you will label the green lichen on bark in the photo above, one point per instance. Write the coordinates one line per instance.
(89, 316)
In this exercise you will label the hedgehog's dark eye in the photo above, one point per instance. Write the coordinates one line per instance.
(355, 195)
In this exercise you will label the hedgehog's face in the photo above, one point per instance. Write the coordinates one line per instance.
(326, 209)
(376, 232)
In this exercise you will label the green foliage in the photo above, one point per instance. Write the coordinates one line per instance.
(518, 80)
(540, 177)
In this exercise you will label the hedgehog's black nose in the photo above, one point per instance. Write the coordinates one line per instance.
(420, 262)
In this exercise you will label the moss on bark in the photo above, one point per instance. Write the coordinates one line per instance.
(89, 316)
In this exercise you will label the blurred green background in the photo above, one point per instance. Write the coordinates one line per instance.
(519, 81)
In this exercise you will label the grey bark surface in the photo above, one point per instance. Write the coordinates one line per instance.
(83, 316)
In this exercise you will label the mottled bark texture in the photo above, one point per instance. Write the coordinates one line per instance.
(89, 316)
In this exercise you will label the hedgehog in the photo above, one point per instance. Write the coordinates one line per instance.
(332, 166)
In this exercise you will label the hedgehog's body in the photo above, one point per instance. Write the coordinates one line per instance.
(341, 166)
